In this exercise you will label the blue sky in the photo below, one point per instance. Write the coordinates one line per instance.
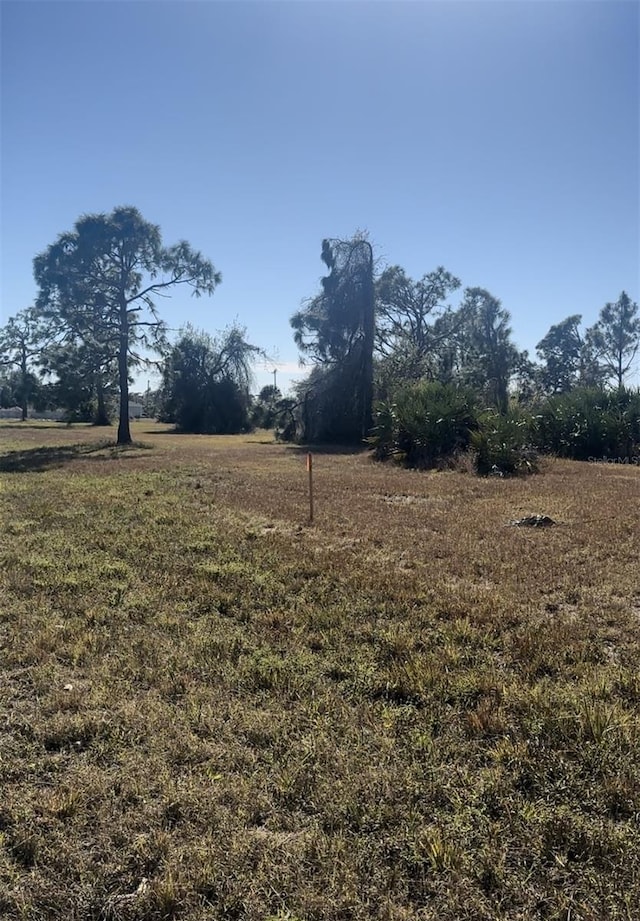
(499, 139)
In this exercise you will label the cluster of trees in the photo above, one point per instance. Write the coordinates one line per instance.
(95, 320)
(206, 382)
(374, 339)
(96, 311)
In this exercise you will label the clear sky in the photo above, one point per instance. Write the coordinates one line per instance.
(499, 139)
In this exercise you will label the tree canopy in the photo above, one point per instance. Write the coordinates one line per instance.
(407, 338)
(206, 380)
(99, 283)
(489, 356)
(569, 358)
(22, 342)
(336, 328)
(616, 337)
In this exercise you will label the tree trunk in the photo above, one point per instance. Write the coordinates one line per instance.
(620, 371)
(101, 416)
(124, 432)
(24, 402)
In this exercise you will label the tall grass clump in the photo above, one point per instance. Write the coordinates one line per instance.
(589, 423)
(424, 424)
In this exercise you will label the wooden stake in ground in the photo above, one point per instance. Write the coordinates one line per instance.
(310, 472)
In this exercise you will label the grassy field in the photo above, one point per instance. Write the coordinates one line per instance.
(409, 709)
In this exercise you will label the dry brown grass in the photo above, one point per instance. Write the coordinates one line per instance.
(407, 710)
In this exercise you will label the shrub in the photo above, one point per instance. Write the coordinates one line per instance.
(424, 424)
(502, 444)
(590, 423)
(329, 406)
(217, 407)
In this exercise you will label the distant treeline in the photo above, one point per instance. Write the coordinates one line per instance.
(394, 363)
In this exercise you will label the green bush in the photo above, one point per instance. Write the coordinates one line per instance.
(589, 423)
(503, 445)
(424, 424)
(216, 408)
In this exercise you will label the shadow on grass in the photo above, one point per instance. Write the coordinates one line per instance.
(36, 425)
(32, 460)
(170, 430)
(326, 449)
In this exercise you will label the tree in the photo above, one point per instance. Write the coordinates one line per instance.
(14, 384)
(21, 341)
(336, 328)
(525, 380)
(487, 356)
(568, 358)
(406, 338)
(616, 337)
(206, 381)
(84, 379)
(265, 411)
(99, 281)
(560, 350)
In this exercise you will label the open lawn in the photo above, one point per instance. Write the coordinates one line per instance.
(409, 709)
